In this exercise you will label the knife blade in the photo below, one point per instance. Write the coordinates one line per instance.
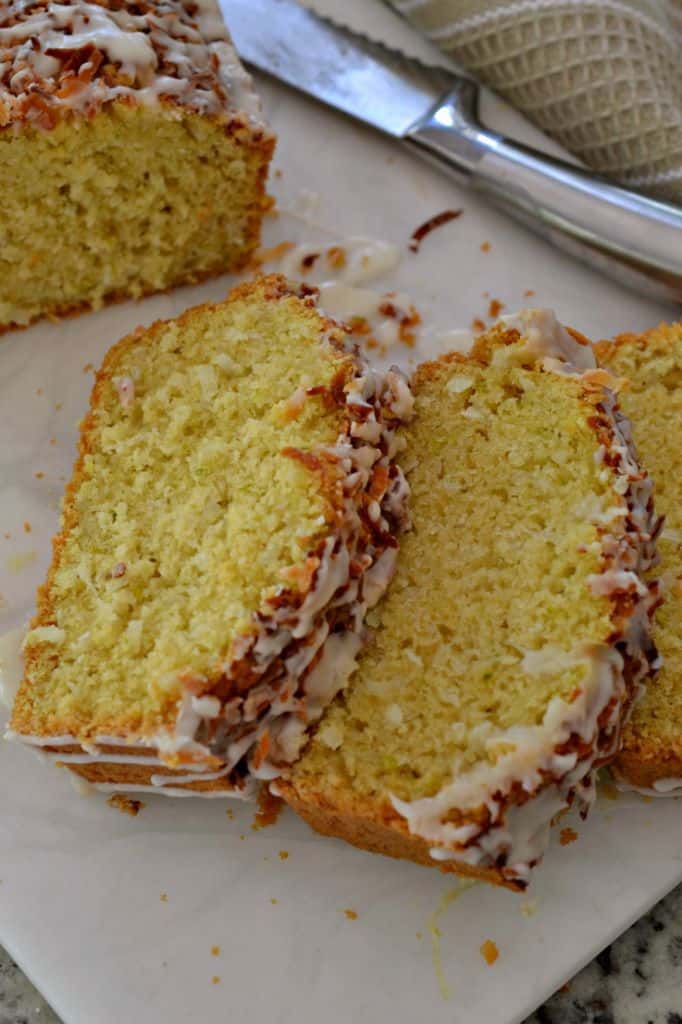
(635, 240)
(335, 65)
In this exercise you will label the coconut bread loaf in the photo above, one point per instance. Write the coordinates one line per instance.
(133, 152)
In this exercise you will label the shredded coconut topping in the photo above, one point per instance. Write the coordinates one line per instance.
(78, 55)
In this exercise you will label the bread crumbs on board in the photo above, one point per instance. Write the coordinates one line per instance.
(489, 952)
(437, 221)
(567, 836)
(125, 804)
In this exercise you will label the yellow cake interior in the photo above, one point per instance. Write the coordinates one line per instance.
(132, 200)
(184, 512)
(503, 477)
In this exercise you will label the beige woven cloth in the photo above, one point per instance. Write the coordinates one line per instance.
(604, 78)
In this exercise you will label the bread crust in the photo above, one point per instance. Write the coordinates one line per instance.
(377, 828)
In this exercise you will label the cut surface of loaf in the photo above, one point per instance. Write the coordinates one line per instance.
(133, 153)
(651, 363)
(510, 644)
(231, 516)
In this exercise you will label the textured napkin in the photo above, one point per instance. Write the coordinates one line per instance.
(603, 78)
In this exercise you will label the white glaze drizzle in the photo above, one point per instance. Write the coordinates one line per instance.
(666, 788)
(176, 49)
(516, 834)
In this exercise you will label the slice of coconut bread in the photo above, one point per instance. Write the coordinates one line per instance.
(515, 635)
(232, 515)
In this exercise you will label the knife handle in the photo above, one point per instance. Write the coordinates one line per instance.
(635, 240)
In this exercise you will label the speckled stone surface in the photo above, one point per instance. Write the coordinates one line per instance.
(637, 980)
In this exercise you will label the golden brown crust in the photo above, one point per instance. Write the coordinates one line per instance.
(107, 774)
(379, 829)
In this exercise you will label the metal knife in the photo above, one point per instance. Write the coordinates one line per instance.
(633, 239)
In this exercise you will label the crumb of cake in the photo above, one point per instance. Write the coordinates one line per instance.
(59, 406)
(609, 790)
(352, 915)
(489, 952)
(88, 367)
(164, 897)
(125, 804)
(420, 935)
(3, 601)
(215, 979)
(336, 257)
(528, 293)
(269, 810)
(39, 392)
(273, 900)
(230, 813)
(277, 173)
(309, 260)
(420, 233)
(406, 320)
(15, 563)
(529, 908)
(495, 308)
(485, 247)
(266, 858)
(39, 475)
(242, 836)
(283, 854)
(567, 836)
(7, 536)
(53, 440)
(477, 325)
(27, 526)
(271, 255)
(215, 950)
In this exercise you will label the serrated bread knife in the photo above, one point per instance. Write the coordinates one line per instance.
(635, 240)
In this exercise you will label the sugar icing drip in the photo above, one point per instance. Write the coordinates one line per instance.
(551, 766)
(79, 55)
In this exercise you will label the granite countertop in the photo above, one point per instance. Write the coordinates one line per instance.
(636, 980)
